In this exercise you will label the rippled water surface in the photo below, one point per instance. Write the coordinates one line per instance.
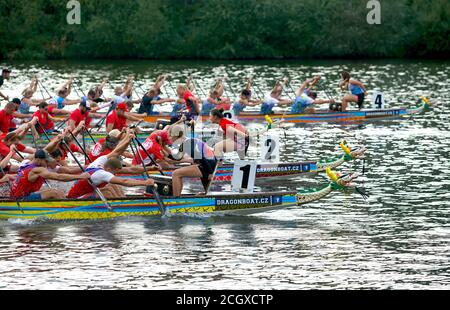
(398, 239)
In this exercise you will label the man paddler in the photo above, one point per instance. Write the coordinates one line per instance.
(103, 175)
(31, 177)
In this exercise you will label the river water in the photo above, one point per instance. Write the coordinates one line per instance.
(399, 238)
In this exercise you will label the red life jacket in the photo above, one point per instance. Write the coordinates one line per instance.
(82, 187)
(21, 187)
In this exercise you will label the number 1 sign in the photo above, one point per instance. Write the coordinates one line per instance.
(244, 174)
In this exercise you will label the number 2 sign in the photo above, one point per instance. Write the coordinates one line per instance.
(244, 174)
(270, 148)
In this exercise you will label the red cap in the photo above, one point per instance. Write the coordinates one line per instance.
(164, 135)
(122, 106)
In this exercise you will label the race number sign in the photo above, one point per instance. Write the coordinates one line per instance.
(270, 148)
(229, 114)
(377, 100)
(244, 174)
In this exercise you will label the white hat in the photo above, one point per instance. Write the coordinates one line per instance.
(115, 133)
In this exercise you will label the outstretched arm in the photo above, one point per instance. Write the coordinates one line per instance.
(122, 146)
(5, 161)
(131, 182)
(44, 173)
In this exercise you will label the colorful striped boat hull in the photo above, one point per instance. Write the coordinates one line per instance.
(95, 209)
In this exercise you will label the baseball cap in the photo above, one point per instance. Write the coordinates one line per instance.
(16, 101)
(115, 133)
(85, 104)
(41, 154)
(122, 106)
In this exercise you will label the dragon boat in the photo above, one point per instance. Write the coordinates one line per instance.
(321, 116)
(269, 171)
(141, 205)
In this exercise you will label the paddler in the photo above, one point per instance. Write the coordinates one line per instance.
(236, 136)
(105, 146)
(274, 99)
(6, 117)
(8, 169)
(31, 177)
(103, 172)
(356, 88)
(305, 97)
(46, 121)
(61, 100)
(156, 146)
(150, 99)
(6, 74)
(245, 99)
(119, 117)
(82, 114)
(57, 143)
(215, 99)
(203, 167)
(188, 102)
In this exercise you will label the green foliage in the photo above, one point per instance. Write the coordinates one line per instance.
(223, 29)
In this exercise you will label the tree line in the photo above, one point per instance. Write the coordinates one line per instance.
(223, 29)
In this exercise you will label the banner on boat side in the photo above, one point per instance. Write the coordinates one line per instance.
(383, 113)
(270, 148)
(247, 202)
(280, 169)
(244, 175)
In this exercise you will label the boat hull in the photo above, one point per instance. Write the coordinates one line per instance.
(322, 117)
(143, 206)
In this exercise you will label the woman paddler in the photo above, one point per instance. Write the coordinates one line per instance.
(357, 91)
(204, 164)
(236, 136)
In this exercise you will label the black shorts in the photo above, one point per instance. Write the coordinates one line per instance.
(207, 167)
(360, 100)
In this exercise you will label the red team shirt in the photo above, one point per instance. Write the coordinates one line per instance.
(6, 121)
(152, 147)
(77, 117)
(119, 122)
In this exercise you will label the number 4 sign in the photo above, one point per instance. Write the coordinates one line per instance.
(378, 100)
(244, 174)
